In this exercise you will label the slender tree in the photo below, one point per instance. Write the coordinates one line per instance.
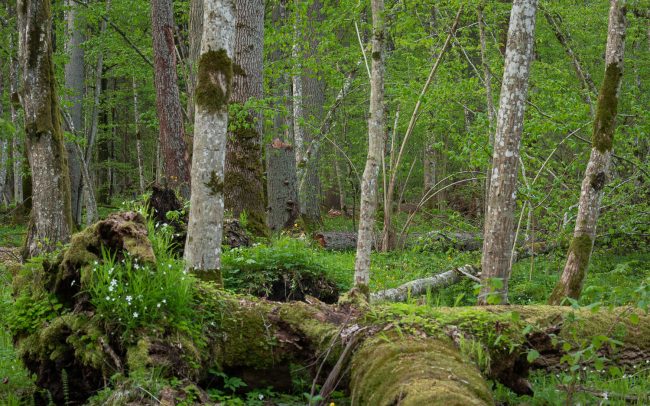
(499, 219)
(17, 147)
(214, 82)
(74, 84)
(376, 133)
(597, 173)
(244, 190)
(168, 103)
(51, 214)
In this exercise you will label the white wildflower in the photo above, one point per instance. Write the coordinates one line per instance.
(135, 315)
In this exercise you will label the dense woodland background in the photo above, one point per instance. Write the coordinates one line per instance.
(128, 81)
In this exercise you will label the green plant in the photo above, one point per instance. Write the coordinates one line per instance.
(128, 294)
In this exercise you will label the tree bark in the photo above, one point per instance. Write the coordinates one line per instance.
(138, 138)
(74, 84)
(376, 133)
(174, 150)
(51, 222)
(17, 147)
(597, 173)
(215, 73)
(5, 196)
(281, 186)
(243, 187)
(196, 31)
(499, 219)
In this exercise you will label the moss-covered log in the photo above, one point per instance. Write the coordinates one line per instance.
(403, 353)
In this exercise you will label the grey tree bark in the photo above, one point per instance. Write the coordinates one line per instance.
(281, 186)
(176, 165)
(215, 72)
(597, 173)
(196, 31)
(138, 138)
(74, 84)
(499, 219)
(51, 221)
(5, 196)
(17, 147)
(244, 190)
(376, 135)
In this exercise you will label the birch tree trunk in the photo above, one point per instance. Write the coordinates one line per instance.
(376, 130)
(597, 173)
(205, 224)
(175, 154)
(244, 190)
(74, 83)
(296, 84)
(499, 219)
(51, 221)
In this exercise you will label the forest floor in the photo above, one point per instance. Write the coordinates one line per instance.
(614, 278)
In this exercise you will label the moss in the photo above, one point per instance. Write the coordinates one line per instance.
(244, 176)
(213, 276)
(306, 319)
(214, 81)
(357, 297)
(605, 122)
(137, 356)
(393, 369)
(580, 247)
(376, 55)
(215, 184)
(238, 70)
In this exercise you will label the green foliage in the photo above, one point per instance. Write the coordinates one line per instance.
(128, 295)
(285, 264)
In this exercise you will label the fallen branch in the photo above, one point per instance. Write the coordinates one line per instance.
(420, 286)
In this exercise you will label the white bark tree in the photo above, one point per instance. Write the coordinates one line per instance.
(499, 219)
(17, 147)
(376, 132)
(597, 173)
(214, 82)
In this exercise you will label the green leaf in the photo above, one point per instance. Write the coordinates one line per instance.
(532, 356)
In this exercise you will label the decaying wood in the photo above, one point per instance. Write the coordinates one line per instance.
(421, 286)
(388, 364)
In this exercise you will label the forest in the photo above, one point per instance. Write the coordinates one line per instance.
(324, 202)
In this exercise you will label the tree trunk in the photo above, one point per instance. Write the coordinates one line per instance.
(243, 187)
(597, 173)
(499, 219)
(196, 31)
(74, 84)
(215, 73)
(176, 166)
(281, 186)
(488, 97)
(51, 222)
(5, 196)
(16, 148)
(376, 133)
(297, 94)
(138, 138)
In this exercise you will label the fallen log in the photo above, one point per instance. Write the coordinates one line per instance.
(347, 240)
(402, 354)
(421, 286)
